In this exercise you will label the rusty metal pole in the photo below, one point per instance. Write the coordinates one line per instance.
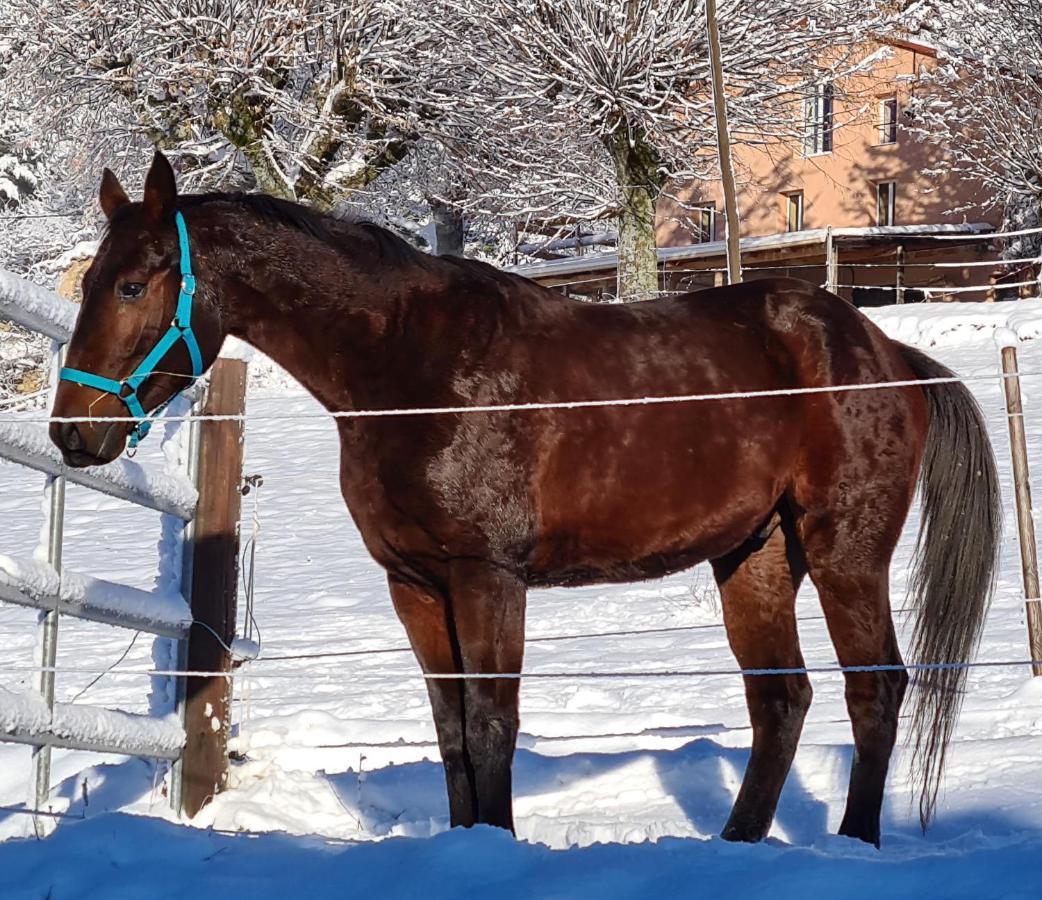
(1022, 489)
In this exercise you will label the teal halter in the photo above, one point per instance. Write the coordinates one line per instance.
(180, 330)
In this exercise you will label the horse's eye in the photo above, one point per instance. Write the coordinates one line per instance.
(131, 290)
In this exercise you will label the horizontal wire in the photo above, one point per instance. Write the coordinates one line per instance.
(579, 674)
(39, 812)
(940, 288)
(541, 639)
(523, 407)
(20, 217)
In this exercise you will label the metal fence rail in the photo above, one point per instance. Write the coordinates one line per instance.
(36, 719)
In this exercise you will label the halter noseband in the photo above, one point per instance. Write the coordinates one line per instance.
(180, 330)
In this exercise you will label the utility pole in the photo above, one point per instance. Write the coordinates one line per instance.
(723, 144)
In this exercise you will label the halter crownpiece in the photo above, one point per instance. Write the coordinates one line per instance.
(180, 330)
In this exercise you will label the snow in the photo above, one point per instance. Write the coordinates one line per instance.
(132, 858)
(151, 486)
(81, 250)
(935, 325)
(1005, 337)
(116, 728)
(35, 307)
(93, 598)
(25, 713)
(35, 579)
(621, 785)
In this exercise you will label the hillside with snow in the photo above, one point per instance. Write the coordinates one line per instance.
(621, 784)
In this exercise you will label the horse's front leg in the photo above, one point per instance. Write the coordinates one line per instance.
(425, 616)
(487, 608)
(478, 628)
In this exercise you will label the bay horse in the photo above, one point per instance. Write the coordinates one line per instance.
(466, 511)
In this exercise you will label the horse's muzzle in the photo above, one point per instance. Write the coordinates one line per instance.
(76, 448)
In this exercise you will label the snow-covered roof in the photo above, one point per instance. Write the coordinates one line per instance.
(597, 262)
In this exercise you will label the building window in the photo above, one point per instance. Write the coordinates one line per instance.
(794, 211)
(817, 121)
(705, 224)
(886, 194)
(888, 120)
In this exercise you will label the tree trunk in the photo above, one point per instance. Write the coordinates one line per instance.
(448, 229)
(242, 124)
(639, 183)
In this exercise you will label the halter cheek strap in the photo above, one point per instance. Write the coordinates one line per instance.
(180, 330)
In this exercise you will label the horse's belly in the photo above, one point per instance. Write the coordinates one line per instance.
(665, 503)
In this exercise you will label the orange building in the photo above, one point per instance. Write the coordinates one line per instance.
(852, 199)
(852, 162)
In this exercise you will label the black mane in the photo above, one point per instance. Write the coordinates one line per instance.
(338, 232)
(320, 226)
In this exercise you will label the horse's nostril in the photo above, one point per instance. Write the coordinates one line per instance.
(71, 437)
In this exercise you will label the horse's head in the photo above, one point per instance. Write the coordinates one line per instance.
(131, 352)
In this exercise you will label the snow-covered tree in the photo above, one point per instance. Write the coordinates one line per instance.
(19, 174)
(277, 92)
(591, 108)
(983, 100)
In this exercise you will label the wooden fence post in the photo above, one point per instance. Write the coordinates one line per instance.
(831, 262)
(214, 588)
(732, 227)
(899, 274)
(1022, 488)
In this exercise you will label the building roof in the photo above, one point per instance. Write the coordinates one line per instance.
(848, 237)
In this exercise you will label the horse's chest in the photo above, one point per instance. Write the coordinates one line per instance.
(440, 498)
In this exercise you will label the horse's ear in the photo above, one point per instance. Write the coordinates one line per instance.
(160, 187)
(111, 196)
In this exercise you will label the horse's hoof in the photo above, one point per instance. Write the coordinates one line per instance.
(746, 833)
(867, 833)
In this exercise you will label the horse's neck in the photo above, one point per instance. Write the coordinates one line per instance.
(353, 340)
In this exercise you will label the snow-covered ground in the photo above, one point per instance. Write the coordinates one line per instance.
(621, 785)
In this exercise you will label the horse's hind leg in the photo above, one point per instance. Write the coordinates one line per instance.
(851, 573)
(758, 584)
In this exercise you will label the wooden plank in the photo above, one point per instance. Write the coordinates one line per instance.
(214, 588)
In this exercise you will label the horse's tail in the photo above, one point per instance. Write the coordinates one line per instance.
(954, 569)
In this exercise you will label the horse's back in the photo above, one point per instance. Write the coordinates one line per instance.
(621, 491)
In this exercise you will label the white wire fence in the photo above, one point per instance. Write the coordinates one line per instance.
(249, 668)
(533, 406)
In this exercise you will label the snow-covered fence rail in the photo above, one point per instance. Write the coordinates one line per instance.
(36, 309)
(207, 522)
(28, 445)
